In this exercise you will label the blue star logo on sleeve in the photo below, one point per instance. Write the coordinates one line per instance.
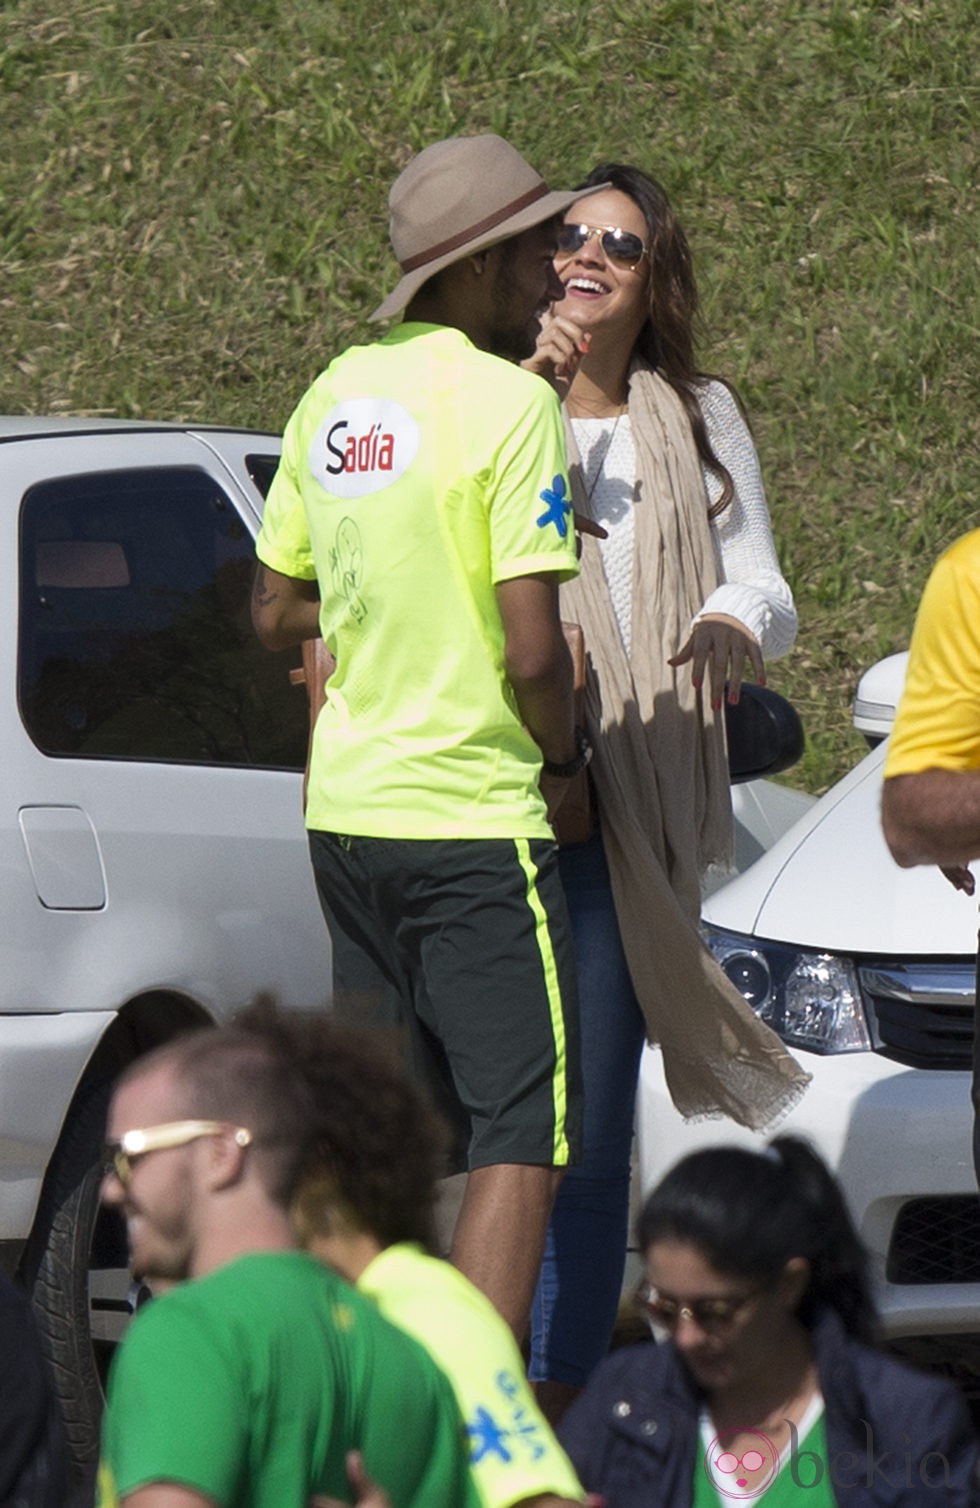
(487, 1438)
(557, 507)
(506, 1429)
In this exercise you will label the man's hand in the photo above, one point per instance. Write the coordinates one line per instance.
(559, 351)
(586, 525)
(959, 877)
(723, 645)
(368, 1495)
(554, 789)
(285, 609)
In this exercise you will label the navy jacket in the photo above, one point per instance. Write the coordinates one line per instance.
(896, 1438)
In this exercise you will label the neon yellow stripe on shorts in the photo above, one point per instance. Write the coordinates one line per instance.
(550, 967)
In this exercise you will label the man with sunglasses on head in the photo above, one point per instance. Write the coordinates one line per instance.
(420, 522)
(248, 1383)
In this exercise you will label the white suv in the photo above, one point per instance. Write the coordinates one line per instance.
(867, 972)
(152, 852)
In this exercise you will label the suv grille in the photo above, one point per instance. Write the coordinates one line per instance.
(922, 1014)
(936, 1241)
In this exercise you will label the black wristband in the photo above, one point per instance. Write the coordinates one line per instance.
(578, 761)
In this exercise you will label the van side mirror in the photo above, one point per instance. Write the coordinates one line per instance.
(765, 734)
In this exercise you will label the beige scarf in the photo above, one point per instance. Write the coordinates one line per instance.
(661, 777)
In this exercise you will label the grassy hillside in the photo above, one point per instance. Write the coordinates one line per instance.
(192, 219)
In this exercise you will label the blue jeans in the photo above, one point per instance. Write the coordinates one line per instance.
(582, 1274)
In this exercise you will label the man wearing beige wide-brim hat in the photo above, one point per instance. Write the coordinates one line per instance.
(420, 521)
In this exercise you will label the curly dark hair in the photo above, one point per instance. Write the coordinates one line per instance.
(376, 1150)
(749, 1212)
(666, 341)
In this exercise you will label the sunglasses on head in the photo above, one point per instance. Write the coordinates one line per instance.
(121, 1154)
(713, 1316)
(619, 245)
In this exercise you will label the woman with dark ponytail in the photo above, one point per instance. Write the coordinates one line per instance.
(765, 1388)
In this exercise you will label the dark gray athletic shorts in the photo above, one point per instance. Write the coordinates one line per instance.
(464, 945)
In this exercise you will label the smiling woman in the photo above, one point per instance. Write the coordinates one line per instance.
(681, 598)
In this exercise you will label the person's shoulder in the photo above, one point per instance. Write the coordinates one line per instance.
(435, 1301)
(902, 1390)
(717, 401)
(963, 556)
(512, 382)
(629, 1378)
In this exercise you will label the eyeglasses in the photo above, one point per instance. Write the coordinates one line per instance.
(120, 1155)
(713, 1316)
(619, 245)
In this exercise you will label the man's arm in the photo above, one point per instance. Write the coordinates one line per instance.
(285, 609)
(537, 662)
(932, 817)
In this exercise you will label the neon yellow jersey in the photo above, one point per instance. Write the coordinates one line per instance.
(416, 474)
(513, 1453)
(938, 720)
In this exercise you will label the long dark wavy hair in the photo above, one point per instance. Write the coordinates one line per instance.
(749, 1212)
(667, 339)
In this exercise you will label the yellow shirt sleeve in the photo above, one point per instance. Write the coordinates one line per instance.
(938, 721)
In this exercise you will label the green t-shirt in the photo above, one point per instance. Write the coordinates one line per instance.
(513, 1453)
(417, 473)
(251, 1384)
(802, 1478)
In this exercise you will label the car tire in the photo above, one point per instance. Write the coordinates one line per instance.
(67, 1230)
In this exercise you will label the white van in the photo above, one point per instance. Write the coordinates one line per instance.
(153, 867)
(867, 972)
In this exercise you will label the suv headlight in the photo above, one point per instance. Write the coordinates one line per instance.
(811, 1000)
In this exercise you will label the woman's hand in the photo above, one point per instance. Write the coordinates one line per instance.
(560, 348)
(368, 1495)
(722, 645)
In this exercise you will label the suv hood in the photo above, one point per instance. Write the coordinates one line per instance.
(830, 884)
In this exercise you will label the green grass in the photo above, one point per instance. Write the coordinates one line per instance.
(193, 219)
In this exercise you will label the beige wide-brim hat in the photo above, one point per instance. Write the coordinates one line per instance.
(461, 196)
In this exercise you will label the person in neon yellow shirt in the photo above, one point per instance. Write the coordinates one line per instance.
(420, 522)
(930, 805)
(365, 1207)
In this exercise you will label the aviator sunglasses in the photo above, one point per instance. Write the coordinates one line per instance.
(619, 245)
(120, 1155)
(713, 1316)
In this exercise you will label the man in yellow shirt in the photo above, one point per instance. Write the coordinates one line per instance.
(420, 523)
(930, 808)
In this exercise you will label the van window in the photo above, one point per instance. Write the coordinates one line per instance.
(135, 635)
(262, 469)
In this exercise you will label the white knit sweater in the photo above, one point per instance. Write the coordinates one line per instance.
(752, 587)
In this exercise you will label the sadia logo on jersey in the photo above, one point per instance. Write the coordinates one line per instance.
(362, 446)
